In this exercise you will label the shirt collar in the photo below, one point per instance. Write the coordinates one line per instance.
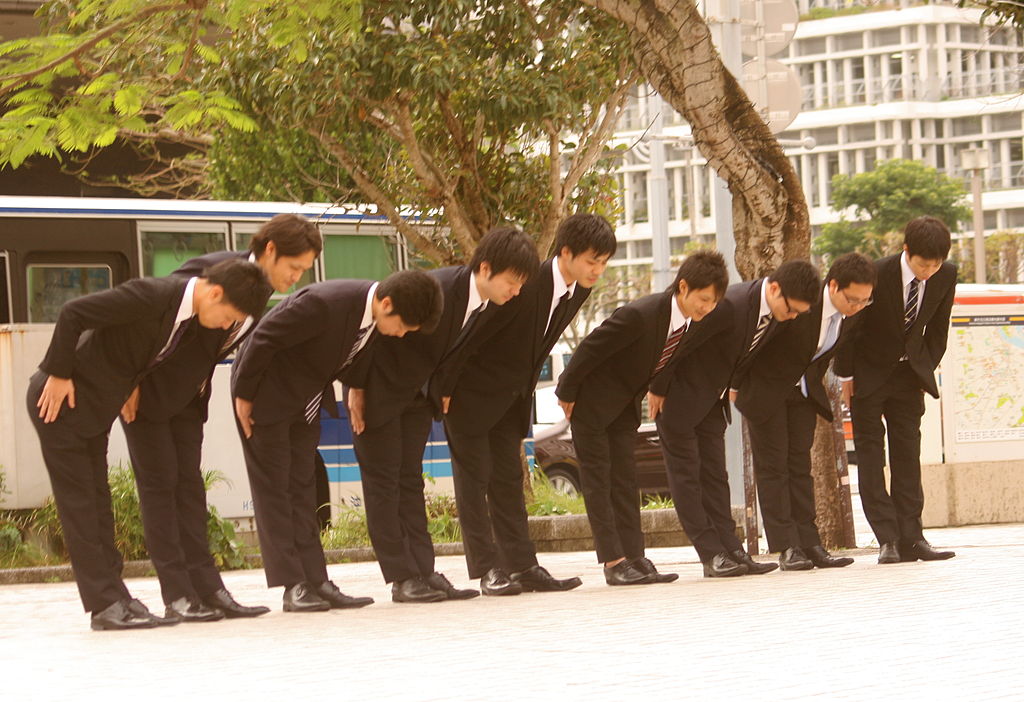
(474, 300)
(368, 311)
(764, 308)
(185, 311)
(252, 258)
(560, 286)
(827, 308)
(906, 274)
(678, 318)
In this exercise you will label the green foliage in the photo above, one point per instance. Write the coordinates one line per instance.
(883, 201)
(347, 530)
(443, 519)
(657, 502)
(549, 501)
(227, 551)
(1009, 12)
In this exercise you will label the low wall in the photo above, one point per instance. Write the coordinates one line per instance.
(986, 492)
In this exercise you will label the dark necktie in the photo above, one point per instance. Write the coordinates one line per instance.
(910, 313)
(466, 328)
(176, 337)
(556, 324)
(671, 343)
(313, 406)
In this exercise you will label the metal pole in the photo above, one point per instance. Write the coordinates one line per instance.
(979, 228)
(657, 198)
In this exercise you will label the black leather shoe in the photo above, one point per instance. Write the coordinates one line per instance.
(415, 590)
(538, 579)
(497, 584)
(823, 559)
(117, 617)
(338, 599)
(223, 601)
(794, 559)
(644, 565)
(142, 611)
(753, 567)
(439, 582)
(623, 573)
(188, 610)
(914, 550)
(888, 553)
(722, 566)
(303, 598)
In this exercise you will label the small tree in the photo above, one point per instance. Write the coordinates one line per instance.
(883, 201)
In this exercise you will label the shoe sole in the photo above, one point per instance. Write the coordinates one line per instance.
(809, 566)
(504, 592)
(228, 614)
(531, 588)
(420, 600)
(317, 608)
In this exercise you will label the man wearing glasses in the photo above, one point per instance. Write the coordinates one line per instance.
(781, 396)
(892, 361)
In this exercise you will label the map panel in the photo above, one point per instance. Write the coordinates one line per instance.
(989, 385)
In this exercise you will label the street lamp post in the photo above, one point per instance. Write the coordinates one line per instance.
(976, 161)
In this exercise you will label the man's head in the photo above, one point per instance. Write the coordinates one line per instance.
(229, 292)
(584, 243)
(700, 283)
(407, 301)
(503, 261)
(850, 281)
(286, 247)
(926, 241)
(792, 289)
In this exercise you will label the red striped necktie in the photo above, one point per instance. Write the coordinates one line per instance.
(670, 348)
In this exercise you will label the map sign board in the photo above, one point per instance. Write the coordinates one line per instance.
(982, 378)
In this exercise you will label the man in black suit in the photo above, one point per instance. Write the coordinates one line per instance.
(282, 374)
(690, 404)
(780, 396)
(392, 411)
(102, 345)
(890, 364)
(490, 409)
(601, 392)
(163, 424)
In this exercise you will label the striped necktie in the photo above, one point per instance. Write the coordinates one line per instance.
(671, 343)
(910, 313)
(313, 406)
(759, 332)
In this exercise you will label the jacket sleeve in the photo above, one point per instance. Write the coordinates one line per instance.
(304, 318)
(615, 333)
(937, 333)
(127, 303)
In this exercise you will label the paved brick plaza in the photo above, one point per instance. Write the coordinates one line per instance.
(933, 631)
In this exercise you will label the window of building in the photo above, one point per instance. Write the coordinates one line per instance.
(641, 249)
(860, 132)
(966, 126)
(969, 34)
(1006, 122)
(638, 188)
(886, 37)
(826, 136)
(50, 285)
(850, 42)
(813, 45)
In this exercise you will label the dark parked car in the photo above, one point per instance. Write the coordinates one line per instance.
(556, 456)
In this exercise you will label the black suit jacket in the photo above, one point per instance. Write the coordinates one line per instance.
(107, 341)
(505, 359)
(298, 348)
(783, 359)
(401, 367)
(879, 341)
(719, 362)
(171, 387)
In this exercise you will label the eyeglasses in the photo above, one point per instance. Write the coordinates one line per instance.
(793, 310)
(856, 302)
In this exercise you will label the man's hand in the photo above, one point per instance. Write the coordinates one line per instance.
(445, 404)
(567, 408)
(243, 410)
(654, 404)
(131, 406)
(356, 404)
(847, 392)
(52, 397)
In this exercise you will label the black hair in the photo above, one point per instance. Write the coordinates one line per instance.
(798, 280)
(851, 268)
(245, 285)
(701, 269)
(584, 232)
(506, 249)
(927, 237)
(415, 297)
(292, 236)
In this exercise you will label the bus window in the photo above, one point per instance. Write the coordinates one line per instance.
(546, 371)
(5, 290)
(51, 285)
(164, 251)
(360, 256)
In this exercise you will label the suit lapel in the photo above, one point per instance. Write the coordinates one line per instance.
(545, 288)
(662, 320)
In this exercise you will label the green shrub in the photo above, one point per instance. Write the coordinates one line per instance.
(347, 530)
(547, 501)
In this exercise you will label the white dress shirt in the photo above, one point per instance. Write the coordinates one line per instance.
(558, 289)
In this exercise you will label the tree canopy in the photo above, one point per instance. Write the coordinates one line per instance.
(883, 201)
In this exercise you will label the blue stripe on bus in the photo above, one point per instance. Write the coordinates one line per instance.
(205, 214)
